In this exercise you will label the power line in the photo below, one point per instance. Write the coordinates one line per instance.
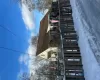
(13, 33)
(13, 50)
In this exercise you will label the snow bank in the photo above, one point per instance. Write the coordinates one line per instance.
(89, 48)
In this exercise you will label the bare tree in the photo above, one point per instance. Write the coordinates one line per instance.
(29, 3)
(45, 70)
(34, 40)
(42, 5)
(41, 70)
(24, 76)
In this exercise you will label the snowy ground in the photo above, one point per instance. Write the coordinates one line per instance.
(86, 14)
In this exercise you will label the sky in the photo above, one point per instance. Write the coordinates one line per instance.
(17, 25)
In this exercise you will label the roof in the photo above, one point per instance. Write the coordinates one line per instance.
(43, 39)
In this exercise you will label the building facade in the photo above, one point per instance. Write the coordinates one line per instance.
(58, 41)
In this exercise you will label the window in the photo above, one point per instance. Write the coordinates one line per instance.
(69, 50)
(67, 7)
(66, 73)
(74, 50)
(76, 59)
(79, 74)
(65, 27)
(75, 74)
(70, 24)
(67, 40)
(73, 59)
(72, 33)
(72, 74)
(69, 18)
(69, 27)
(73, 40)
(74, 70)
(66, 33)
(70, 59)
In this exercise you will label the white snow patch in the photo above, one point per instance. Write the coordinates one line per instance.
(90, 65)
